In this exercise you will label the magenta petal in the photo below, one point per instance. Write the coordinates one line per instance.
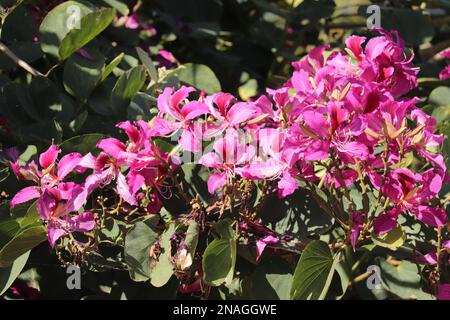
(135, 181)
(87, 162)
(24, 195)
(82, 222)
(429, 258)
(240, 113)
(194, 109)
(262, 243)
(385, 222)
(354, 44)
(167, 55)
(445, 73)
(111, 146)
(217, 180)
(211, 160)
(124, 190)
(357, 223)
(446, 244)
(54, 233)
(48, 157)
(47, 203)
(132, 22)
(287, 185)
(444, 292)
(68, 163)
(189, 142)
(155, 205)
(435, 217)
(131, 131)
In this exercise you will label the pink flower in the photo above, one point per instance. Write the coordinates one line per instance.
(224, 109)
(133, 22)
(25, 292)
(357, 224)
(181, 116)
(262, 243)
(50, 175)
(444, 292)
(229, 156)
(409, 192)
(385, 62)
(167, 55)
(55, 208)
(107, 168)
(445, 73)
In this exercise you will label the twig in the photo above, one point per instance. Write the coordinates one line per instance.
(21, 63)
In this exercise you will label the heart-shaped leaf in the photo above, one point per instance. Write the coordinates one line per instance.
(58, 23)
(138, 241)
(81, 75)
(91, 25)
(312, 274)
(9, 274)
(219, 258)
(201, 77)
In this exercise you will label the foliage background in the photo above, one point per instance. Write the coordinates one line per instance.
(238, 46)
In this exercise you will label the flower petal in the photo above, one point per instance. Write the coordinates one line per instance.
(48, 157)
(24, 195)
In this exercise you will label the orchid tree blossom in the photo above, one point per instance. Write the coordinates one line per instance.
(56, 209)
(47, 175)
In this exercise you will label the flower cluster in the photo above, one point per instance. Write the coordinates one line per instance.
(340, 121)
(60, 201)
(342, 112)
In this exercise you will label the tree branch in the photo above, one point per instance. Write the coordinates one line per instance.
(21, 63)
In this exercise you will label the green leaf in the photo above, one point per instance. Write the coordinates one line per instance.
(440, 96)
(8, 228)
(100, 98)
(163, 270)
(9, 274)
(111, 66)
(312, 274)
(403, 279)
(31, 217)
(201, 77)
(344, 272)
(248, 89)
(126, 87)
(121, 7)
(138, 241)
(83, 144)
(148, 63)
(272, 280)
(441, 113)
(393, 239)
(191, 239)
(77, 123)
(81, 75)
(26, 239)
(57, 23)
(91, 25)
(219, 258)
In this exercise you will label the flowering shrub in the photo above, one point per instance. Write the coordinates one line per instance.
(341, 153)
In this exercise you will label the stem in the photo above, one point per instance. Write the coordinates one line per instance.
(21, 63)
(438, 249)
